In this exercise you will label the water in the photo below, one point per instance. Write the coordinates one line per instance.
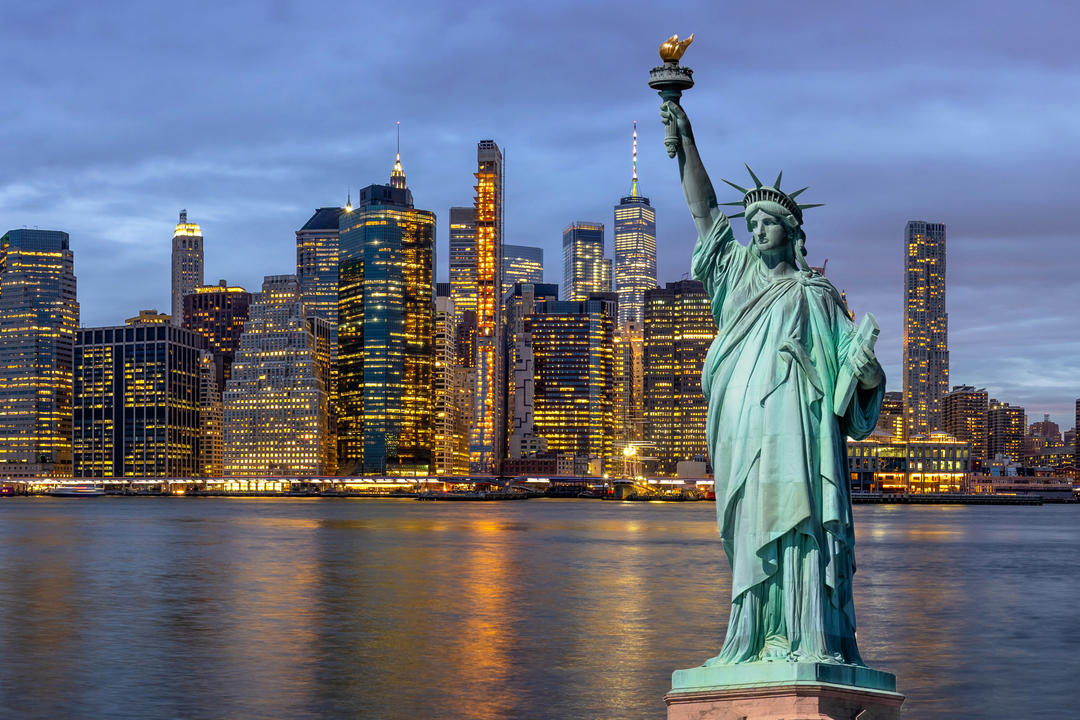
(252, 608)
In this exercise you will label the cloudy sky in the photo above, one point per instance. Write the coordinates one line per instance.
(117, 115)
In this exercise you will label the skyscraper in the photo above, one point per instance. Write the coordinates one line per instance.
(635, 250)
(317, 251)
(275, 405)
(484, 451)
(218, 312)
(573, 386)
(463, 283)
(679, 329)
(137, 391)
(187, 264)
(964, 411)
(385, 333)
(521, 263)
(584, 269)
(317, 263)
(39, 315)
(926, 327)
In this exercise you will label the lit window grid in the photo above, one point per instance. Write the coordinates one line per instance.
(38, 319)
(385, 353)
(635, 257)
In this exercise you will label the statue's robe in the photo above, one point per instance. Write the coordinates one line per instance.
(778, 451)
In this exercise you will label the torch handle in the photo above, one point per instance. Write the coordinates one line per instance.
(671, 134)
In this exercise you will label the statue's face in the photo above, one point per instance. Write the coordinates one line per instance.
(768, 231)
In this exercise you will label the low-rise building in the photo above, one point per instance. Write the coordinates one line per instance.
(884, 464)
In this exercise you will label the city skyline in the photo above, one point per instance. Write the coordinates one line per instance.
(922, 127)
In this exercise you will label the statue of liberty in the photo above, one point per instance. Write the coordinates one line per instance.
(788, 378)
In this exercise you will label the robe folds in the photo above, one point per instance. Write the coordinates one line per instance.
(777, 445)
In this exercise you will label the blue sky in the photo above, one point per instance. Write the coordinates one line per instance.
(251, 115)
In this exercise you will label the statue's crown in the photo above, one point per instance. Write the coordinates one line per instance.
(770, 193)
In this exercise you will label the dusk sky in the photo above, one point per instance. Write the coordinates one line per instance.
(252, 115)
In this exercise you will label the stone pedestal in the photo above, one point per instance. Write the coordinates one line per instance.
(783, 691)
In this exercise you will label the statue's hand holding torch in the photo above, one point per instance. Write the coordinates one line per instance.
(677, 124)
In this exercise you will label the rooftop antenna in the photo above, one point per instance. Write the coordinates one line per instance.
(397, 175)
(633, 185)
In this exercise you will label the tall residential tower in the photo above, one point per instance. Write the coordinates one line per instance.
(484, 451)
(926, 327)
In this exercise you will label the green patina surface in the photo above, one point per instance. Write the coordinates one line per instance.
(764, 674)
(789, 377)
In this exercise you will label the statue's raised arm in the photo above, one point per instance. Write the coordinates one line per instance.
(700, 195)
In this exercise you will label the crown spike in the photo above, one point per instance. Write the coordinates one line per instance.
(797, 193)
(738, 214)
(739, 203)
(756, 181)
(810, 205)
(777, 183)
(737, 187)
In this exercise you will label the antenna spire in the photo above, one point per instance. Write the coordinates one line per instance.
(633, 184)
(397, 175)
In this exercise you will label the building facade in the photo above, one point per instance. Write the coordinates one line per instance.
(521, 301)
(572, 346)
(635, 250)
(187, 264)
(218, 313)
(629, 383)
(678, 331)
(521, 263)
(937, 464)
(926, 327)
(463, 268)
(1005, 430)
(276, 403)
(484, 450)
(317, 244)
(209, 453)
(137, 392)
(386, 355)
(891, 418)
(964, 412)
(453, 404)
(39, 315)
(585, 270)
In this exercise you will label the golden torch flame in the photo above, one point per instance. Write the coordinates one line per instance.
(672, 49)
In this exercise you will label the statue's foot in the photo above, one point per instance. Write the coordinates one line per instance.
(775, 654)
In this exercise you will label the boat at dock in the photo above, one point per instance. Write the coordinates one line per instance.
(77, 491)
(473, 495)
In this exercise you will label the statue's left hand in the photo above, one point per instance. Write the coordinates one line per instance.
(867, 368)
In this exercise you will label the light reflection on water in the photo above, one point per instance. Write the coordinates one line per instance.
(209, 608)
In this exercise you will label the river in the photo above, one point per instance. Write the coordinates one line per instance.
(192, 608)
